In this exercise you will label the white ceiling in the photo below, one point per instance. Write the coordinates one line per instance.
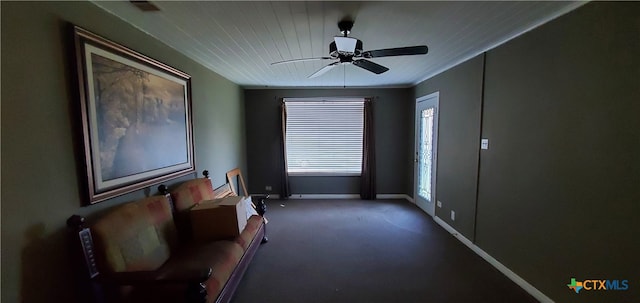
(239, 40)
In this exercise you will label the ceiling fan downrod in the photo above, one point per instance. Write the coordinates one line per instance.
(345, 27)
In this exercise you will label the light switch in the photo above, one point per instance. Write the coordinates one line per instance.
(484, 144)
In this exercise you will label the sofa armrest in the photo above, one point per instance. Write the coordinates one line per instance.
(154, 277)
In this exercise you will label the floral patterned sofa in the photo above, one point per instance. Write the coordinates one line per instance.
(142, 252)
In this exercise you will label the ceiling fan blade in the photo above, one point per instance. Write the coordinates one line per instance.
(323, 70)
(301, 60)
(400, 51)
(370, 66)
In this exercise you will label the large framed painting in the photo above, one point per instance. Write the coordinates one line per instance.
(136, 118)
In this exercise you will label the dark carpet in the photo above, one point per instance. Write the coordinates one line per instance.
(366, 251)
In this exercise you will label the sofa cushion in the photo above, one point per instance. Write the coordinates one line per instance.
(221, 256)
(249, 232)
(135, 236)
(192, 192)
(184, 198)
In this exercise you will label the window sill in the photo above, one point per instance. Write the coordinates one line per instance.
(311, 174)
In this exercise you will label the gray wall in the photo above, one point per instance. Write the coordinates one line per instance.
(559, 185)
(458, 141)
(392, 117)
(39, 162)
(558, 188)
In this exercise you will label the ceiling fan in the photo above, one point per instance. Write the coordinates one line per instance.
(348, 50)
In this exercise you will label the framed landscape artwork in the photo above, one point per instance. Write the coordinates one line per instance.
(136, 118)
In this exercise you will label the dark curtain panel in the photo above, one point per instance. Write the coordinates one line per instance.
(368, 177)
(285, 189)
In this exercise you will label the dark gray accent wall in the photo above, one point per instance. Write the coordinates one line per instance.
(557, 190)
(458, 141)
(559, 187)
(392, 122)
(40, 179)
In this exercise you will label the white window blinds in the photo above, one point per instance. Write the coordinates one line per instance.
(324, 136)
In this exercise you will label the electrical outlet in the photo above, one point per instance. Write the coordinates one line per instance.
(453, 215)
(267, 188)
(439, 203)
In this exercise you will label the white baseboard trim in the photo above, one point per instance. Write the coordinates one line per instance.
(325, 196)
(271, 196)
(393, 196)
(339, 196)
(499, 266)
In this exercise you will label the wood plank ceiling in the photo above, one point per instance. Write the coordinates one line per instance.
(240, 39)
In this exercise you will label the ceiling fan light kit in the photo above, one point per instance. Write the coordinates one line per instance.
(348, 50)
(346, 44)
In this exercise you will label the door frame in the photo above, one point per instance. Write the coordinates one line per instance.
(433, 99)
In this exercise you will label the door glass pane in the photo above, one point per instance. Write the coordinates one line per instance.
(425, 154)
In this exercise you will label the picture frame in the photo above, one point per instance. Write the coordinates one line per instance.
(136, 118)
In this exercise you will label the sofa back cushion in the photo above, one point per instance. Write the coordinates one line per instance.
(192, 192)
(135, 236)
(184, 198)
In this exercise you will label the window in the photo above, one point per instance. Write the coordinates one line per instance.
(324, 137)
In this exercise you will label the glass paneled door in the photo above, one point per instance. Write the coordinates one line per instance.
(426, 152)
